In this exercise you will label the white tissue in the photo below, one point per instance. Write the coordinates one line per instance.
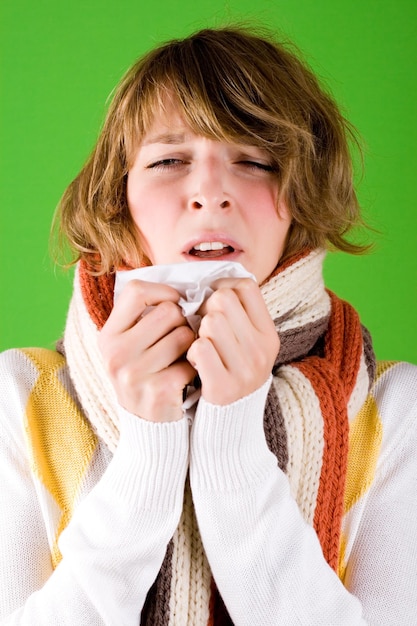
(192, 281)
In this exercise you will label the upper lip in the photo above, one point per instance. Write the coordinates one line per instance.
(210, 237)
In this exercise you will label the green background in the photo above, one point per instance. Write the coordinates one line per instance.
(60, 62)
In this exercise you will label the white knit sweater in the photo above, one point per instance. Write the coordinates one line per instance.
(267, 562)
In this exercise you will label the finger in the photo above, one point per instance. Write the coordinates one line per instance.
(167, 350)
(205, 359)
(234, 336)
(250, 297)
(216, 327)
(162, 397)
(159, 322)
(218, 386)
(134, 299)
(226, 302)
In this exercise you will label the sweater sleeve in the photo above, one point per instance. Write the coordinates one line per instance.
(116, 540)
(381, 528)
(266, 560)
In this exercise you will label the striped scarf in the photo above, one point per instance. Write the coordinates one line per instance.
(321, 378)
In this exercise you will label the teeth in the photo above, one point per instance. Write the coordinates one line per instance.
(210, 245)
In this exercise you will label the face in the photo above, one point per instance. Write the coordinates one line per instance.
(195, 198)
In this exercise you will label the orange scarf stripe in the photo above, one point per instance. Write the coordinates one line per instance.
(97, 294)
(329, 504)
(98, 291)
(333, 380)
(344, 342)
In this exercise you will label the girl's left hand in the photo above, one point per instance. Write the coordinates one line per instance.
(237, 342)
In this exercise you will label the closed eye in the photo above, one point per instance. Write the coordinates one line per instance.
(166, 164)
(258, 165)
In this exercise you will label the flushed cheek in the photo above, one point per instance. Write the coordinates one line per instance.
(156, 237)
(143, 206)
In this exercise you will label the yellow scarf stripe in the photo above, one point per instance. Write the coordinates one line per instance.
(61, 443)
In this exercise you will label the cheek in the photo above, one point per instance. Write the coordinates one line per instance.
(274, 223)
(142, 204)
(268, 215)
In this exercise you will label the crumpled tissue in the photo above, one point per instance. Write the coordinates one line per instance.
(192, 281)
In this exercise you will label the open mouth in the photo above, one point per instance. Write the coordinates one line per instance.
(210, 249)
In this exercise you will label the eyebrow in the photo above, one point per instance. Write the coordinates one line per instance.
(167, 138)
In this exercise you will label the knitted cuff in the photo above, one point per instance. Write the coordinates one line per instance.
(150, 463)
(228, 446)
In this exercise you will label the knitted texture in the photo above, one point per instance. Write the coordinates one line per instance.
(55, 451)
(320, 379)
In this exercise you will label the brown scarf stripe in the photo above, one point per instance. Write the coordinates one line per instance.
(297, 342)
(218, 612)
(156, 608)
(275, 431)
(369, 355)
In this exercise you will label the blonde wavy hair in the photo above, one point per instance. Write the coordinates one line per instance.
(229, 84)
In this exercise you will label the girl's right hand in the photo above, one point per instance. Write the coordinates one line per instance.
(143, 351)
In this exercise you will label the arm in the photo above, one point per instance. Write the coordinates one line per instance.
(267, 562)
(381, 553)
(115, 543)
(116, 540)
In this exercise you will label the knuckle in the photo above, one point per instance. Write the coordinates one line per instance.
(185, 333)
(127, 377)
(245, 284)
(219, 299)
(134, 289)
(199, 348)
(211, 322)
(226, 294)
(169, 310)
(112, 359)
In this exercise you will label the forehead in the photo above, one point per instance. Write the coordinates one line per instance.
(167, 115)
(167, 125)
(167, 119)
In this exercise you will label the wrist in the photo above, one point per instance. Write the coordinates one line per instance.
(228, 445)
(150, 462)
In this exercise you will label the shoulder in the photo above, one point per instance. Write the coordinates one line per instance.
(383, 428)
(21, 369)
(18, 375)
(26, 374)
(395, 395)
(392, 399)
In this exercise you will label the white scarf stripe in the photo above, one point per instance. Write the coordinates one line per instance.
(304, 436)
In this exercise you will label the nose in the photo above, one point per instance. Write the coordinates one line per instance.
(208, 187)
(206, 202)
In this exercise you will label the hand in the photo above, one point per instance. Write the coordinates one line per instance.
(237, 342)
(144, 354)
